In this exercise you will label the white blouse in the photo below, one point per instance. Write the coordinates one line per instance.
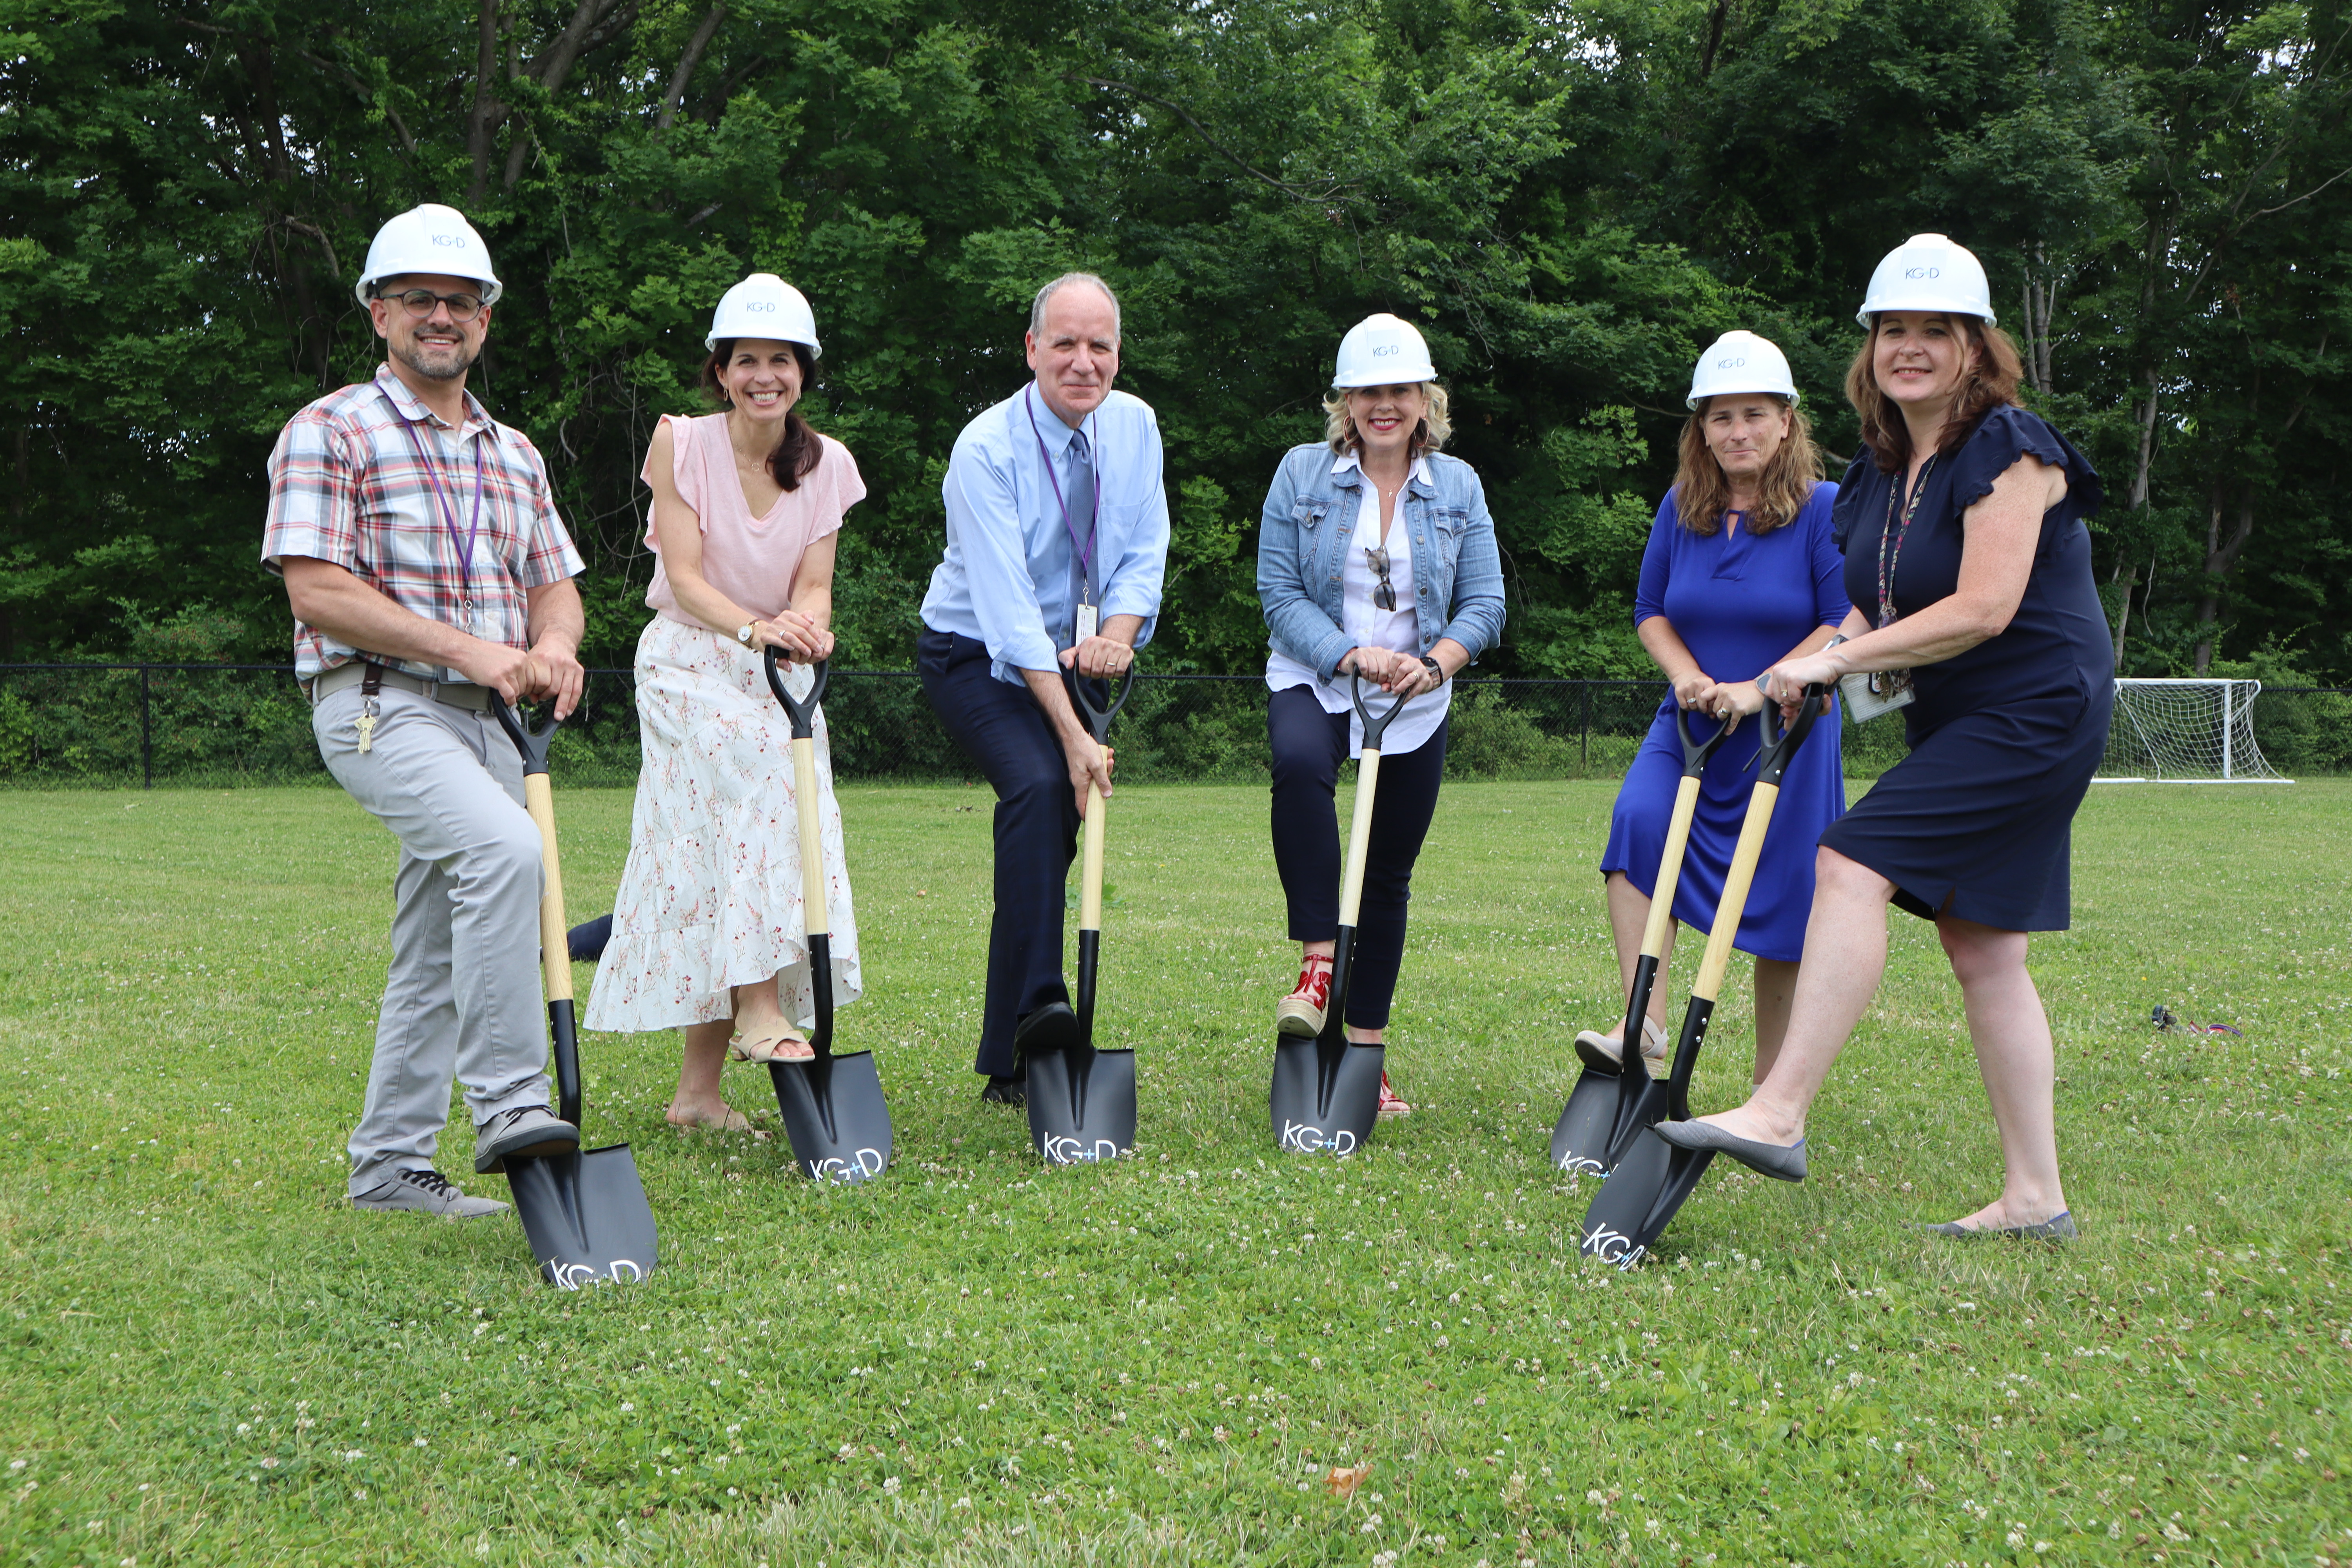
(1368, 626)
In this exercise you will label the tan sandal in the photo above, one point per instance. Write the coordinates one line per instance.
(781, 1047)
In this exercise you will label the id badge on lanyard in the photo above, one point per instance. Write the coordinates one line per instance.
(1086, 620)
(462, 546)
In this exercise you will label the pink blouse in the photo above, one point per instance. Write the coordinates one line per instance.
(749, 559)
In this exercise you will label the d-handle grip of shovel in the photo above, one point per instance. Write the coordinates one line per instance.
(1696, 753)
(1097, 715)
(802, 714)
(1772, 759)
(532, 743)
(1373, 728)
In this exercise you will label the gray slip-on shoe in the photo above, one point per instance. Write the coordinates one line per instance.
(526, 1130)
(1782, 1165)
(2059, 1227)
(425, 1191)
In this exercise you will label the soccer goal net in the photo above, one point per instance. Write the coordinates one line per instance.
(2185, 732)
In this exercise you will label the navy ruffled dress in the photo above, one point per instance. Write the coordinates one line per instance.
(1739, 604)
(2005, 738)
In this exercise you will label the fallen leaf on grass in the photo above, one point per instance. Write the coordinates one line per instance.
(1343, 1480)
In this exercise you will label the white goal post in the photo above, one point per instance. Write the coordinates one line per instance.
(2185, 732)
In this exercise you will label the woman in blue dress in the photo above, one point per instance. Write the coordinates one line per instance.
(1970, 568)
(1740, 573)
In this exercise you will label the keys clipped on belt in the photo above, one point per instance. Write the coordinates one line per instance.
(365, 723)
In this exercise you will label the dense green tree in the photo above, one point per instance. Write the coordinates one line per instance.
(1571, 199)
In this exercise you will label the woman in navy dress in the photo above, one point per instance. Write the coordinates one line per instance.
(1740, 573)
(1970, 568)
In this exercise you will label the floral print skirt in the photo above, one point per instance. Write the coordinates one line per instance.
(711, 897)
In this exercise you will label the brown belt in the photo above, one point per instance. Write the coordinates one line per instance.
(462, 694)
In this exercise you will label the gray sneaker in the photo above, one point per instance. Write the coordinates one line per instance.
(426, 1191)
(527, 1130)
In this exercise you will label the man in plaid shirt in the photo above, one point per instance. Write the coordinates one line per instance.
(428, 569)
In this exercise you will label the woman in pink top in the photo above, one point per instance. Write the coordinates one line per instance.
(708, 929)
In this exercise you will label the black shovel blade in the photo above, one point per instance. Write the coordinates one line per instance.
(586, 1216)
(834, 1114)
(1326, 1095)
(1081, 1104)
(1639, 1199)
(1580, 1141)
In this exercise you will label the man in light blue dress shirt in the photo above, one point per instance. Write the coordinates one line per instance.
(1058, 545)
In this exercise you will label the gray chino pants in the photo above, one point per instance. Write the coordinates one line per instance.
(462, 1000)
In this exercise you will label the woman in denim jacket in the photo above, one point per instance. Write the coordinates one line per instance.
(1375, 558)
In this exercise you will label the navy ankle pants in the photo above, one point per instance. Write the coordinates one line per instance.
(1006, 733)
(1308, 747)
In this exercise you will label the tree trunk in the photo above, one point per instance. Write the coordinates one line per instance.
(2221, 556)
(2123, 608)
(586, 30)
(1715, 21)
(696, 46)
(487, 110)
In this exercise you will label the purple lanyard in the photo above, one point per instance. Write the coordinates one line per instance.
(1084, 555)
(445, 494)
(1887, 566)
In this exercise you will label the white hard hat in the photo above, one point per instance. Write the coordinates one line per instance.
(764, 306)
(1928, 272)
(429, 239)
(1384, 351)
(1740, 362)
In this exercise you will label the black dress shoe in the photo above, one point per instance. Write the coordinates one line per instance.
(1766, 1159)
(1001, 1090)
(1052, 1028)
(2059, 1227)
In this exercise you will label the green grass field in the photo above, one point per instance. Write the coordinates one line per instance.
(205, 1357)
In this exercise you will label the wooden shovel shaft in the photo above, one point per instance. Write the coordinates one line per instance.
(1359, 839)
(1091, 878)
(1734, 902)
(814, 906)
(1670, 869)
(554, 937)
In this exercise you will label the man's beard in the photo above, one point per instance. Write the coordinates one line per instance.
(441, 369)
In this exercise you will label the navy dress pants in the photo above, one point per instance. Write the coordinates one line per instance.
(1308, 747)
(1006, 734)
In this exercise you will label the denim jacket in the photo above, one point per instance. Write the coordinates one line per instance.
(1304, 534)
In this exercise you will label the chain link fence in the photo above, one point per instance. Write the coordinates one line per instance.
(221, 726)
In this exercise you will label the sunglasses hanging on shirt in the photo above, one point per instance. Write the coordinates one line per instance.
(1375, 556)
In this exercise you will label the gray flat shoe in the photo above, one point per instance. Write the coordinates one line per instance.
(2059, 1227)
(1782, 1165)
(425, 1191)
(525, 1131)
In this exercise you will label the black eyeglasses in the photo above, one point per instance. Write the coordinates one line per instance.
(1383, 593)
(419, 303)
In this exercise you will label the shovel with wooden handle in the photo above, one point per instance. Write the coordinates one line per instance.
(1082, 1099)
(584, 1213)
(834, 1111)
(1326, 1095)
(1605, 1091)
(1649, 1177)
